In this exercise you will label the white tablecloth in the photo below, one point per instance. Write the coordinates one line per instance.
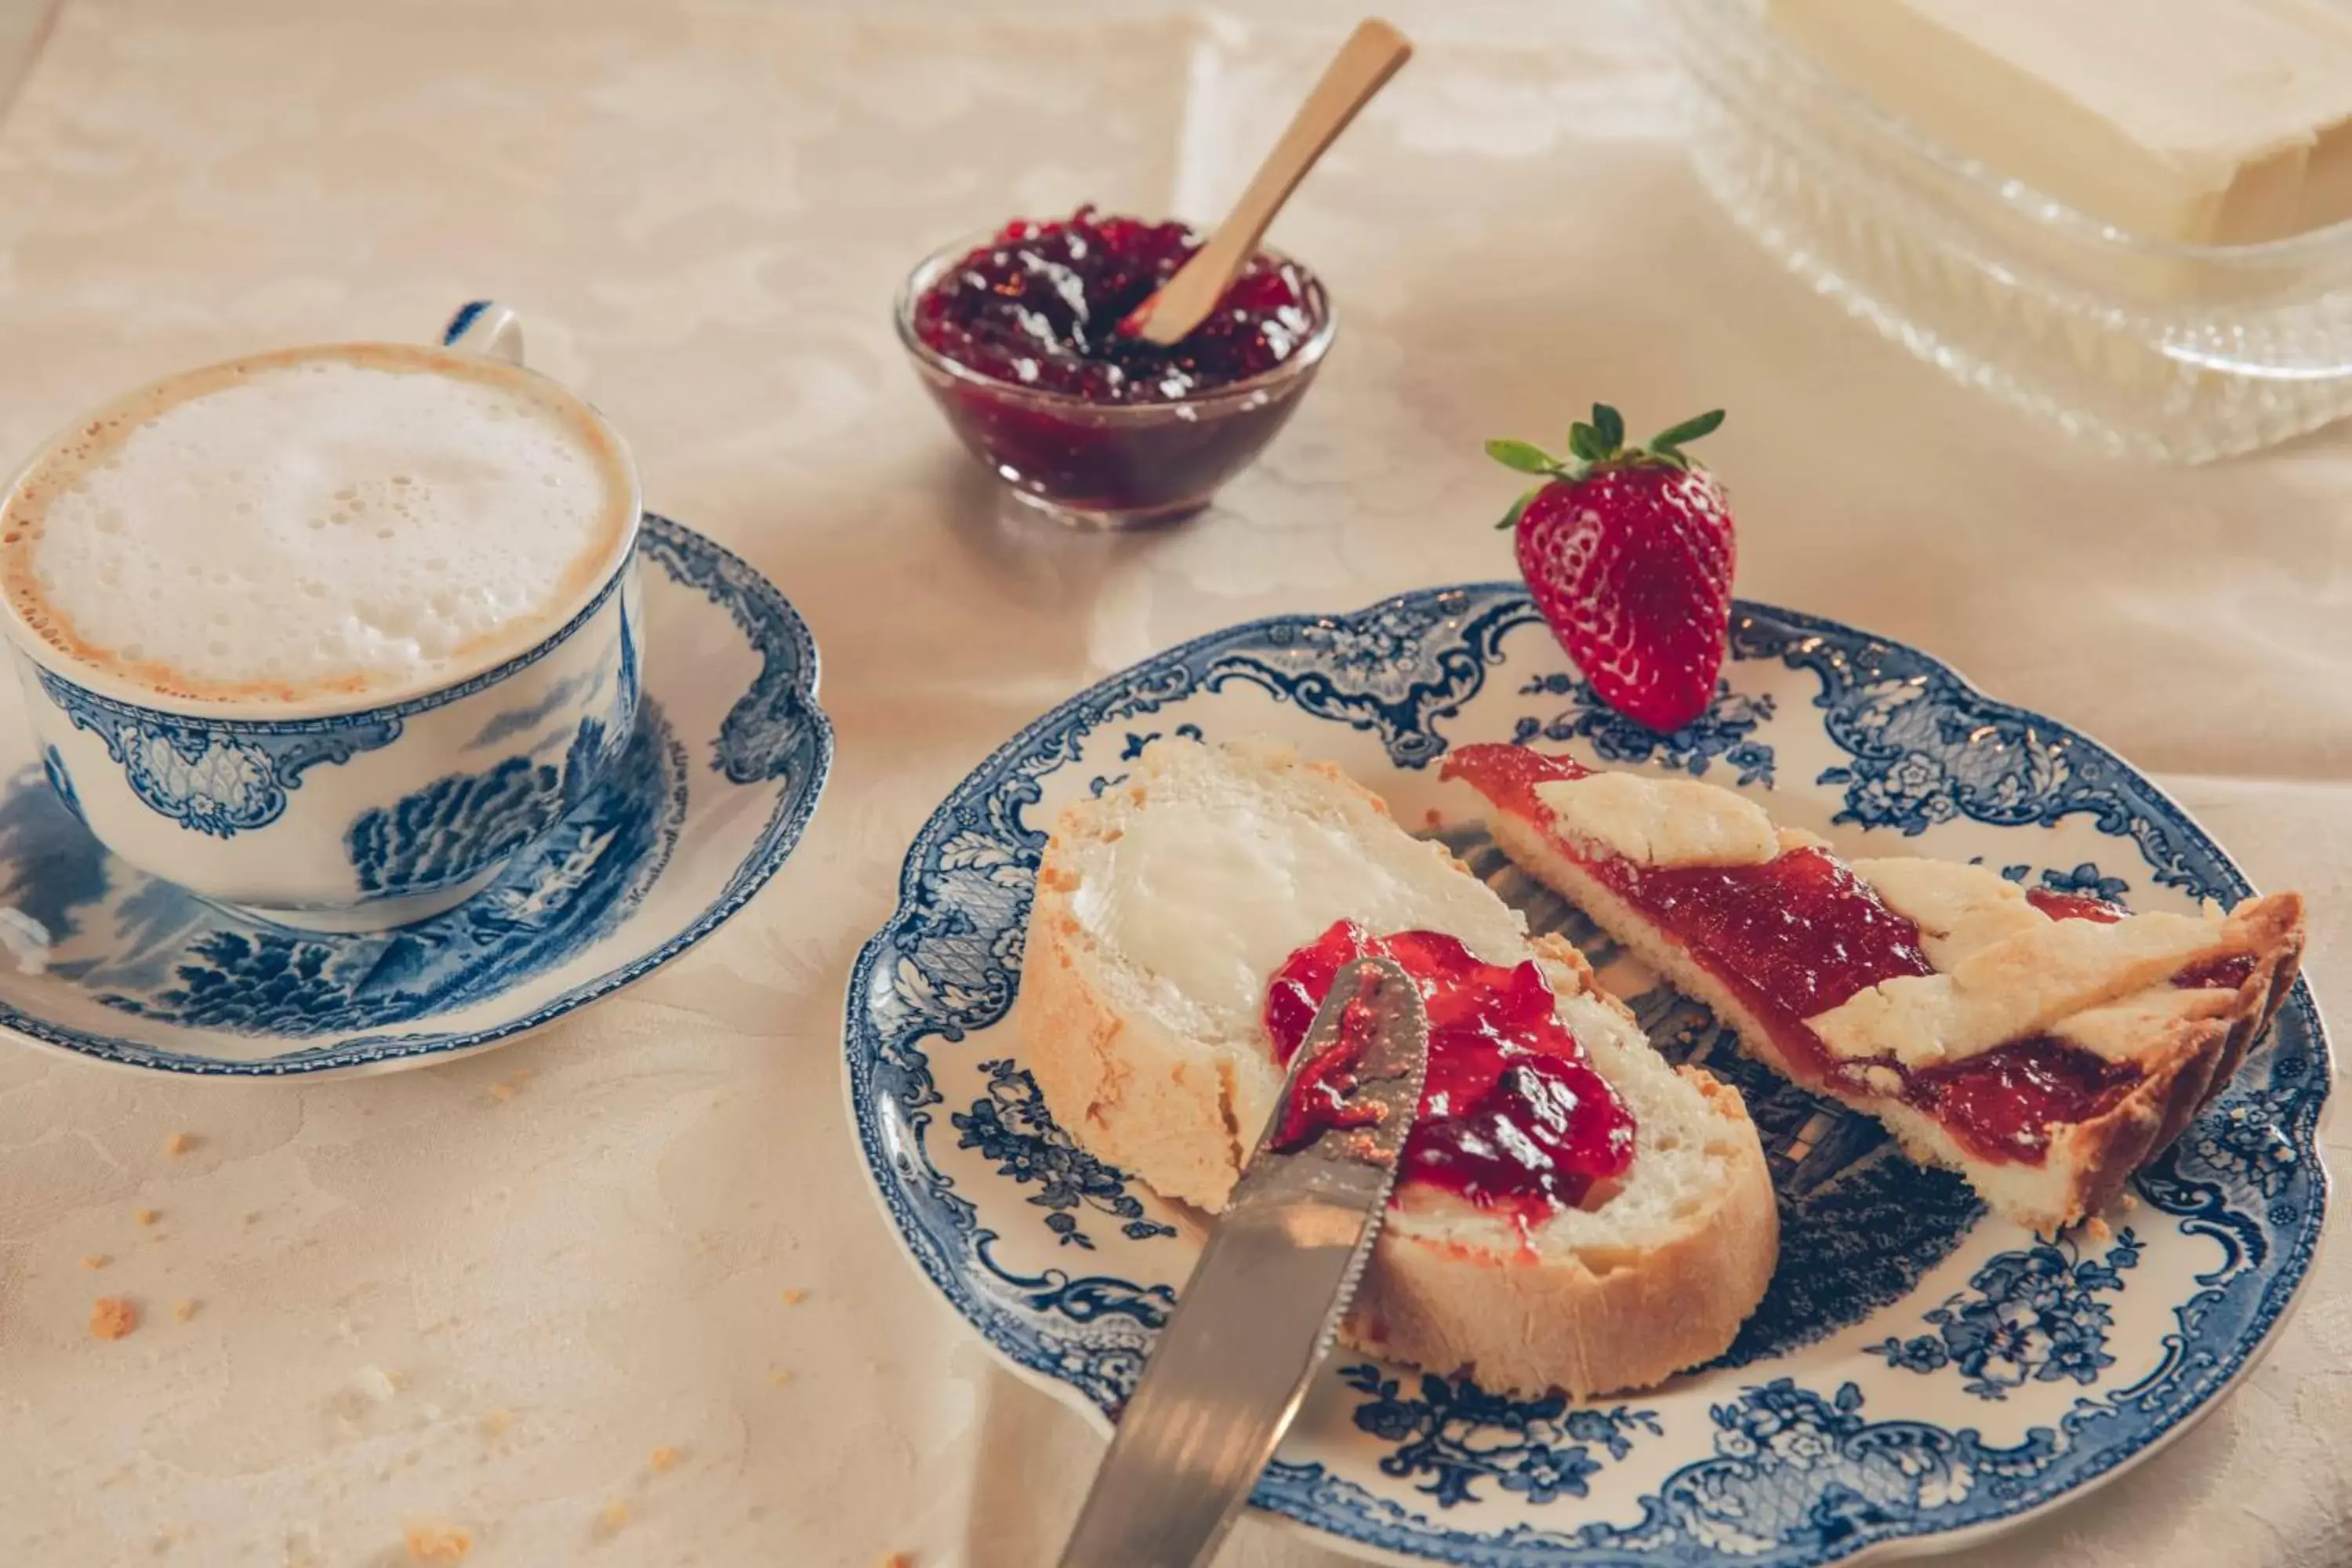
(419, 1301)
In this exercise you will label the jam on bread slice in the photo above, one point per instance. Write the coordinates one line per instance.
(2044, 1045)
(1514, 1116)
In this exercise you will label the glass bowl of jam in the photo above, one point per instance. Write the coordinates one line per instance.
(1016, 334)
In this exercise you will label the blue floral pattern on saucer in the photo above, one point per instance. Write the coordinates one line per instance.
(721, 753)
(1918, 1368)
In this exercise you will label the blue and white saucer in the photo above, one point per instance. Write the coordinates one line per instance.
(728, 756)
(1920, 1371)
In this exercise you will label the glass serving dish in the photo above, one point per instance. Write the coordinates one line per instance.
(1107, 466)
(2140, 346)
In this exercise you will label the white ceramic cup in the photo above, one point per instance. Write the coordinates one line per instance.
(357, 814)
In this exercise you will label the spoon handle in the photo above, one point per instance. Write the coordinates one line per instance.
(1372, 55)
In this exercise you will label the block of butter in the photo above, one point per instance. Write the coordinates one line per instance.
(2203, 122)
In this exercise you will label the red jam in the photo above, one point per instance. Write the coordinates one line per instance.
(1514, 1113)
(1322, 1094)
(1509, 776)
(1081, 417)
(2230, 969)
(1040, 306)
(2001, 1105)
(2074, 906)
(1800, 934)
(1792, 938)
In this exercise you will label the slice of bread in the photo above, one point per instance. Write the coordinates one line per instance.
(2185, 1061)
(1163, 911)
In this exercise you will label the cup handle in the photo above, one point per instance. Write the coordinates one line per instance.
(488, 328)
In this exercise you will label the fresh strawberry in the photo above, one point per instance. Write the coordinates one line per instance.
(1628, 551)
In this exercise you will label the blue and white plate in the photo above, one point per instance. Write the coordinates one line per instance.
(729, 755)
(1919, 1372)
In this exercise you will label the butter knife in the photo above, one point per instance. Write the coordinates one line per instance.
(1273, 1283)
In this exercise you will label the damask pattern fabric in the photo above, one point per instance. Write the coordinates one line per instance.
(482, 1295)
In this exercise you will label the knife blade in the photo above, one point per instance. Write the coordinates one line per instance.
(1266, 1298)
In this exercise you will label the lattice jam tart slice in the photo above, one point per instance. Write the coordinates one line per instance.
(2044, 1045)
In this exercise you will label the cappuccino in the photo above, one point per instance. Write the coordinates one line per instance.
(353, 521)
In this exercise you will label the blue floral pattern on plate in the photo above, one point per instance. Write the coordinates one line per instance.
(1807, 1443)
(2031, 1313)
(1010, 1125)
(1450, 1435)
(1726, 732)
(2084, 880)
(718, 761)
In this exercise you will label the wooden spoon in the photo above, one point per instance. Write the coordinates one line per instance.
(1372, 55)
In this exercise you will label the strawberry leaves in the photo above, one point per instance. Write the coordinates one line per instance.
(1668, 443)
(1525, 456)
(1518, 510)
(1600, 443)
(1601, 440)
(1609, 426)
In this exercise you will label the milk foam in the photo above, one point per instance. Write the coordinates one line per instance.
(349, 521)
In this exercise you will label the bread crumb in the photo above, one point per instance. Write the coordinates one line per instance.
(442, 1544)
(900, 1560)
(616, 1514)
(96, 1260)
(663, 1459)
(495, 1422)
(2097, 1228)
(178, 1144)
(183, 1310)
(505, 1088)
(147, 1217)
(778, 1377)
(112, 1318)
(794, 1297)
